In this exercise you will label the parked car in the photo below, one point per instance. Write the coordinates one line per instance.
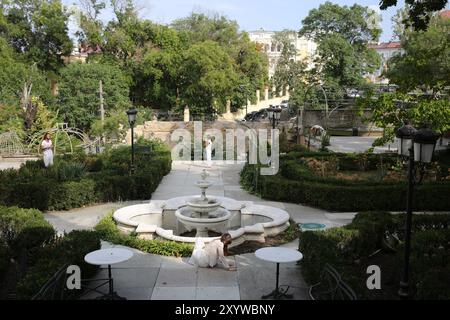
(284, 104)
(250, 116)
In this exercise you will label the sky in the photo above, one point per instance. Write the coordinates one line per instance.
(273, 15)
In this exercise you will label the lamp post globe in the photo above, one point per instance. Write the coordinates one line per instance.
(277, 114)
(132, 113)
(405, 136)
(424, 145)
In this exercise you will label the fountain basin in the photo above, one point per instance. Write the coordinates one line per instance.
(249, 222)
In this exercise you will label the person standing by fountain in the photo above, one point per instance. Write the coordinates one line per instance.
(209, 152)
(210, 254)
(46, 146)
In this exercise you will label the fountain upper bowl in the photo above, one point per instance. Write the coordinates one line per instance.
(203, 206)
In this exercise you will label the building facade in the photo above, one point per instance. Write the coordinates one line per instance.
(386, 50)
(265, 40)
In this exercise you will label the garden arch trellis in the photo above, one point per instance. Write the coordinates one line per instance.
(11, 145)
(61, 129)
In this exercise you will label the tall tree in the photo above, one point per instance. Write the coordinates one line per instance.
(91, 27)
(354, 24)
(342, 35)
(79, 102)
(207, 78)
(425, 63)
(249, 62)
(38, 30)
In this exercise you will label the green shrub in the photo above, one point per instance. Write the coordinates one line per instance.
(72, 194)
(31, 194)
(24, 229)
(108, 231)
(295, 183)
(70, 171)
(77, 180)
(4, 261)
(351, 249)
(67, 250)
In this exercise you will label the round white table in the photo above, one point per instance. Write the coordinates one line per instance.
(109, 257)
(278, 255)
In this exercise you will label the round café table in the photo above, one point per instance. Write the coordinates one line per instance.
(278, 255)
(109, 257)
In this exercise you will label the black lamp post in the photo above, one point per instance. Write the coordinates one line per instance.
(274, 116)
(131, 113)
(415, 146)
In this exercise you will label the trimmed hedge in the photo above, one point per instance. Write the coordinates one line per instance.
(79, 180)
(67, 250)
(31, 253)
(351, 249)
(296, 183)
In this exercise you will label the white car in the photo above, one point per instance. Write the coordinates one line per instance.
(284, 104)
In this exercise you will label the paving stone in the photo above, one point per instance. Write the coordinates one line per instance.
(217, 293)
(173, 293)
(176, 277)
(216, 278)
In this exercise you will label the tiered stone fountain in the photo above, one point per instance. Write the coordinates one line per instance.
(170, 219)
(203, 214)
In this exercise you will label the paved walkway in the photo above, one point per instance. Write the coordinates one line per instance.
(148, 276)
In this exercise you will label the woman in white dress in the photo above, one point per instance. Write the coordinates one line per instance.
(209, 152)
(46, 146)
(211, 254)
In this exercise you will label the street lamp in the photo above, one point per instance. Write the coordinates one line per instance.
(416, 146)
(274, 116)
(131, 113)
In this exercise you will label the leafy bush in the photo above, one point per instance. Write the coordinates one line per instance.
(77, 180)
(23, 229)
(72, 194)
(351, 249)
(70, 171)
(297, 183)
(67, 250)
(108, 231)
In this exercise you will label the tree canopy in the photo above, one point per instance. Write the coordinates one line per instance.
(37, 30)
(425, 63)
(419, 12)
(342, 34)
(207, 77)
(79, 101)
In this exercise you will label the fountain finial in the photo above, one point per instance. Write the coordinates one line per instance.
(204, 174)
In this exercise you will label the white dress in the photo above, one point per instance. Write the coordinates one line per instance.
(48, 153)
(208, 152)
(208, 255)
